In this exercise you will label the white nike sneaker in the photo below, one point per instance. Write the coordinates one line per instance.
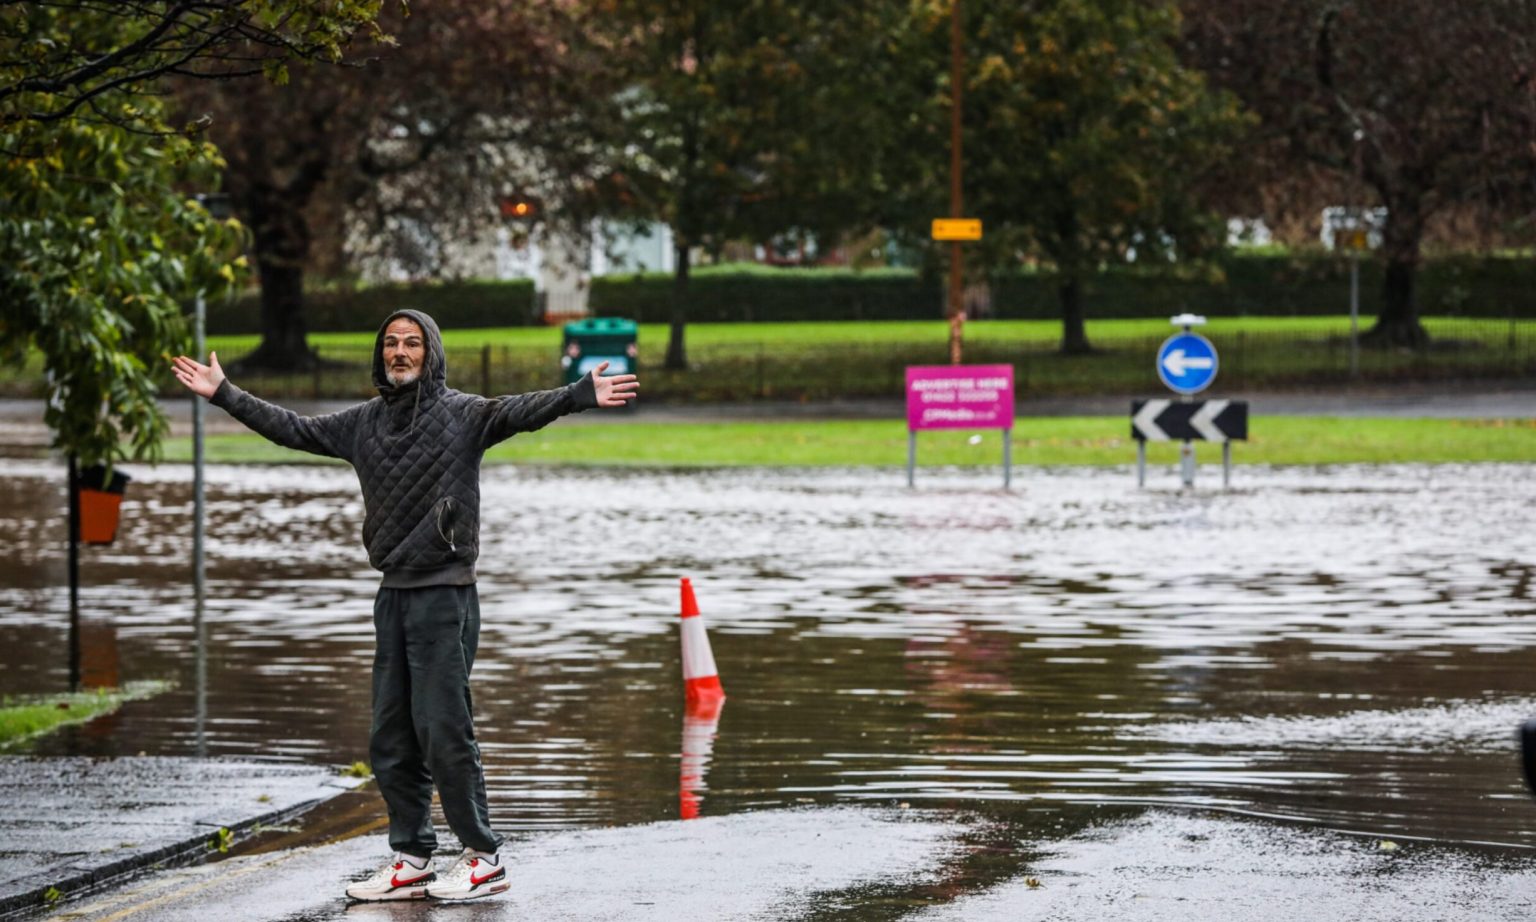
(473, 876)
(402, 878)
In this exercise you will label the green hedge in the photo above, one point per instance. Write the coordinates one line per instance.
(1235, 285)
(457, 305)
(1279, 285)
(747, 293)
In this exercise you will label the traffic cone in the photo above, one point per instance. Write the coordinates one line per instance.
(701, 680)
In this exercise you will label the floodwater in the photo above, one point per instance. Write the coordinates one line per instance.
(1350, 648)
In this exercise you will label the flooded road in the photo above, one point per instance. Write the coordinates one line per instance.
(1350, 648)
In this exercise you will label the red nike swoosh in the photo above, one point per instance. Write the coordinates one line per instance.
(397, 882)
(477, 881)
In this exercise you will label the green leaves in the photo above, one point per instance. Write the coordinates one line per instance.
(738, 119)
(1092, 150)
(101, 244)
(99, 249)
(276, 72)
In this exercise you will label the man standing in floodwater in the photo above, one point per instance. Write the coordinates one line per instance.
(416, 449)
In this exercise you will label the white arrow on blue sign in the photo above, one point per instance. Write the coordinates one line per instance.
(1187, 363)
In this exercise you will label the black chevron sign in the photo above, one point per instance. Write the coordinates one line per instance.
(1207, 420)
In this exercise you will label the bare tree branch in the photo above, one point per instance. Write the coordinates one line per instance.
(45, 80)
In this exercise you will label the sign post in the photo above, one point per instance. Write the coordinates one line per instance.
(960, 397)
(1353, 230)
(1186, 363)
(956, 230)
(1356, 242)
(1208, 420)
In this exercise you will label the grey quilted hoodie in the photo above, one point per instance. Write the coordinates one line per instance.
(416, 450)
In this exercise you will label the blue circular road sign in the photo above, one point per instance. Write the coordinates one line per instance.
(1187, 363)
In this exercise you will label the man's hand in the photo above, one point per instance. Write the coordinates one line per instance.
(201, 379)
(615, 391)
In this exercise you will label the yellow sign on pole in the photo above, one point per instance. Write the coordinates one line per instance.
(957, 228)
(1354, 239)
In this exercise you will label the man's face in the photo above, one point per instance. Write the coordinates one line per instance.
(405, 351)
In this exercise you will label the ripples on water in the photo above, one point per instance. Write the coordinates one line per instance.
(1350, 646)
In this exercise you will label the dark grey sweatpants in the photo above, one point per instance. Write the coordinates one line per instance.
(423, 732)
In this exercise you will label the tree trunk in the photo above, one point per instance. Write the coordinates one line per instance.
(1074, 332)
(1398, 322)
(280, 244)
(677, 353)
(1068, 258)
(283, 331)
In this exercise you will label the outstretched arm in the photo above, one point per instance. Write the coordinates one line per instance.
(507, 416)
(329, 435)
(202, 380)
(615, 390)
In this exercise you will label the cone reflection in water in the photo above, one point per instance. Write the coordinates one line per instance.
(704, 699)
(701, 720)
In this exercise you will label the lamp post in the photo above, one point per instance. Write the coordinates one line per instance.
(74, 574)
(218, 207)
(1357, 245)
(956, 209)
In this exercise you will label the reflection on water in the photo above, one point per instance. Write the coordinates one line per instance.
(1339, 645)
(701, 722)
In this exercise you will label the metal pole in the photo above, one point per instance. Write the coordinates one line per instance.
(74, 574)
(1141, 463)
(911, 456)
(1187, 450)
(1007, 458)
(956, 207)
(1226, 465)
(199, 582)
(1354, 316)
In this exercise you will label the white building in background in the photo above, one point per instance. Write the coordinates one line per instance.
(561, 269)
(617, 250)
(1248, 232)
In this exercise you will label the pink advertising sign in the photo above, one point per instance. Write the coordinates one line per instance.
(959, 397)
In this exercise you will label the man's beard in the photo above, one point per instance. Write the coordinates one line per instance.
(400, 379)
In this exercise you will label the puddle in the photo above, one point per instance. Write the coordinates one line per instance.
(1349, 647)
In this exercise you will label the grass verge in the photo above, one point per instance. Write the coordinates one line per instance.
(830, 359)
(545, 340)
(1094, 441)
(824, 360)
(24, 718)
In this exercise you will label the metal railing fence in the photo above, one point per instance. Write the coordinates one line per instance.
(1462, 349)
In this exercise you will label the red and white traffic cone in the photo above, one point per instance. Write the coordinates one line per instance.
(704, 699)
(701, 680)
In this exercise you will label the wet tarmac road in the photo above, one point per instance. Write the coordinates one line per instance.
(1346, 649)
(846, 863)
(74, 824)
(772, 864)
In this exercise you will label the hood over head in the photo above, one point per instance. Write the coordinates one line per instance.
(434, 372)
